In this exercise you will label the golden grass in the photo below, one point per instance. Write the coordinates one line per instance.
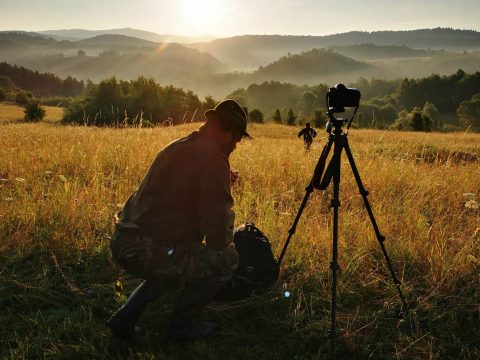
(13, 113)
(61, 186)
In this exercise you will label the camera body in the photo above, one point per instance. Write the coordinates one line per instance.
(339, 97)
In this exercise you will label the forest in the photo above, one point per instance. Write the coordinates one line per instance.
(446, 102)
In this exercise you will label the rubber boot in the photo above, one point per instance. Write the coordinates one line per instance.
(194, 298)
(122, 323)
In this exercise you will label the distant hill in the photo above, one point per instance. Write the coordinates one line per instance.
(107, 55)
(11, 40)
(79, 34)
(109, 41)
(376, 52)
(250, 51)
(223, 65)
(415, 67)
(438, 38)
(168, 64)
(309, 67)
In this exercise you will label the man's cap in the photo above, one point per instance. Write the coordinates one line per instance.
(232, 116)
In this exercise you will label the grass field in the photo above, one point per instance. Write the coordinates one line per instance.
(60, 187)
(10, 112)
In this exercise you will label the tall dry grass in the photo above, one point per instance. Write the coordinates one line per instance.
(60, 187)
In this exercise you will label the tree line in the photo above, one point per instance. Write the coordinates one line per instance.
(427, 104)
(140, 102)
(40, 84)
(396, 104)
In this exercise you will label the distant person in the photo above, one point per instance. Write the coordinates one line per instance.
(176, 230)
(308, 134)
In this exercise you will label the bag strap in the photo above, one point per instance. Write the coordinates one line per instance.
(250, 227)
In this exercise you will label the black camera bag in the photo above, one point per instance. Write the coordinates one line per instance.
(257, 267)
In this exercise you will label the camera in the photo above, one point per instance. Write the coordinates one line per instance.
(339, 97)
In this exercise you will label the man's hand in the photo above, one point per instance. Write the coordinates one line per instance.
(233, 176)
(223, 262)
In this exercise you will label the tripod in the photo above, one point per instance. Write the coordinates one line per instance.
(339, 138)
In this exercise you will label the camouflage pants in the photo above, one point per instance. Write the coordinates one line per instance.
(180, 261)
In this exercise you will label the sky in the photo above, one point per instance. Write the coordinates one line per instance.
(223, 18)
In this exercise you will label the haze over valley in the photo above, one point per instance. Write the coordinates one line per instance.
(219, 66)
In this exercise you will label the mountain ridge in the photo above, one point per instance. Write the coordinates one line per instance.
(223, 65)
(80, 34)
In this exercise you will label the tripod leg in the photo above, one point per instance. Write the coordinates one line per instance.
(308, 190)
(291, 231)
(335, 166)
(380, 237)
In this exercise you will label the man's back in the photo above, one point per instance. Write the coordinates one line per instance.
(308, 134)
(185, 192)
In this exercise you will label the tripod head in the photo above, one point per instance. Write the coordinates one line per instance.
(334, 123)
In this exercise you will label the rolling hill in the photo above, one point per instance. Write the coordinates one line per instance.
(79, 34)
(170, 63)
(250, 51)
(309, 67)
(106, 55)
(377, 52)
(111, 41)
(223, 65)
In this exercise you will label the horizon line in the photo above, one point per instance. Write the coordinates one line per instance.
(244, 34)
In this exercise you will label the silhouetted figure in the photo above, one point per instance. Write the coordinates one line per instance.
(308, 134)
(176, 230)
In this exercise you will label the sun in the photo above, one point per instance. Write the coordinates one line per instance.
(202, 15)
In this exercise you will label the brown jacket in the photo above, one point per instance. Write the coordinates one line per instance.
(185, 195)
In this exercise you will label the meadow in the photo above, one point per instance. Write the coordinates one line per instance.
(61, 185)
(10, 112)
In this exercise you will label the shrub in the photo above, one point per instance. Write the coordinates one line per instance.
(291, 117)
(277, 117)
(3, 95)
(469, 113)
(255, 116)
(23, 98)
(34, 112)
(415, 120)
(318, 118)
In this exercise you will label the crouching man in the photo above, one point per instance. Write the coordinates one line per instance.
(176, 230)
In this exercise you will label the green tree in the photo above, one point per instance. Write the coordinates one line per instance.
(401, 123)
(318, 118)
(416, 120)
(23, 97)
(137, 102)
(239, 96)
(34, 112)
(3, 95)
(431, 112)
(469, 113)
(277, 117)
(291, 117)
(255, 116)
(209, 102)
(307, 102)
(7, 84)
